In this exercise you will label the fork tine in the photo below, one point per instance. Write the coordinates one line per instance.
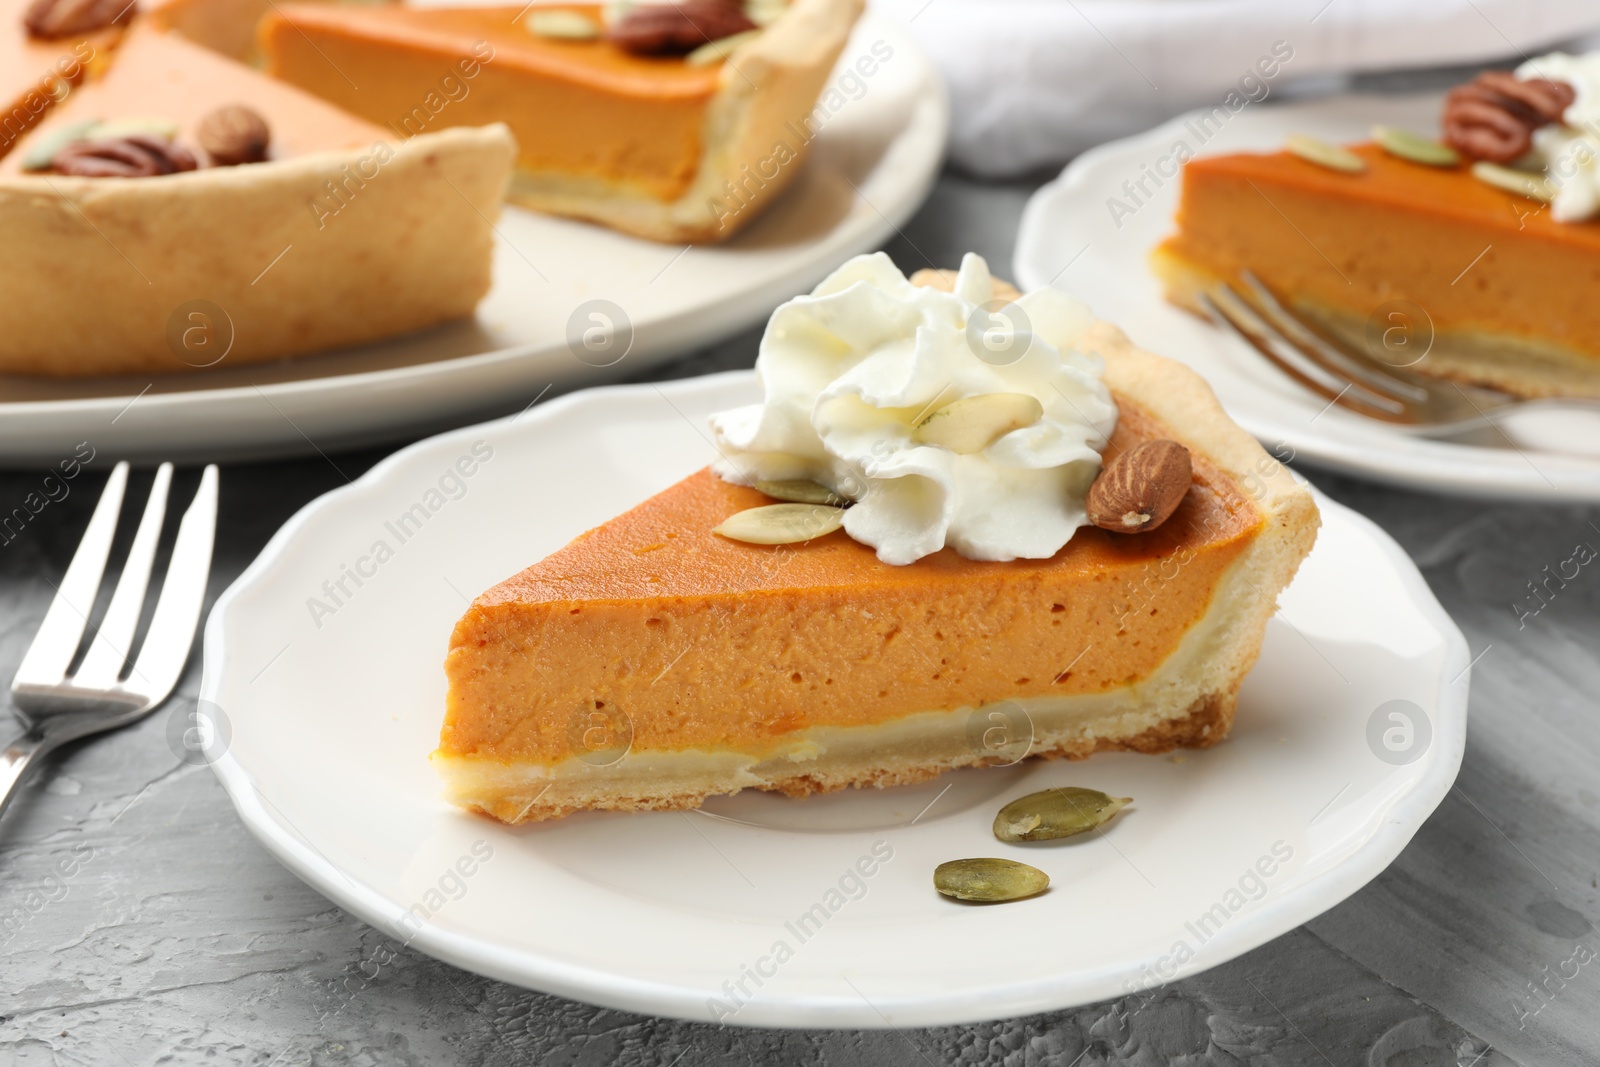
(166, 646)
(53, 647)
(1238, 320)
(1328, 352)
(112, 642)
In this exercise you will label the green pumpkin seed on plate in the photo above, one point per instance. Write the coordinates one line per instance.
(1050, 814)
(989, 881)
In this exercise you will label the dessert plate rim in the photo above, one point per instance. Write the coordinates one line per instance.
(943, 1001)
(1071, 212)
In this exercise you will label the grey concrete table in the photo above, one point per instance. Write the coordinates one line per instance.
(176, 939)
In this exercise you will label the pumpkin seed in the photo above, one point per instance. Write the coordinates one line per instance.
(781, 524)
(48, 143)
(147, 126)
(716, 51)
(566, 25)
(765, 12)
(1415, 147)
(1054, 813)
(801, 491)
(1532, 186)
(1324, 154)
(988, 880)
(973, 423)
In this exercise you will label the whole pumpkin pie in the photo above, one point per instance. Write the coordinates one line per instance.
(960, 611)
(678, 123)
(1481, 252)
(315, 230)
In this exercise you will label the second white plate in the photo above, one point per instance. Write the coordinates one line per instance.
(325, 660)
(879, 140)
(1070, 238)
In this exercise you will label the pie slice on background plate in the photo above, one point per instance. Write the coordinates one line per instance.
(654, 662)
(1474, 262)
(652, 145)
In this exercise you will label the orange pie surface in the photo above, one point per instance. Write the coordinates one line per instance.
(752, 643)
(163, 74)
(35, 73)
(580, 108)
(1477, 259)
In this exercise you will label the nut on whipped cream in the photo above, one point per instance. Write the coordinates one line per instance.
(851, 371)
(1570, 150)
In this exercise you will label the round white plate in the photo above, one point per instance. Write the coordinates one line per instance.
(878, 145)
(1069, 238)
(331, 715)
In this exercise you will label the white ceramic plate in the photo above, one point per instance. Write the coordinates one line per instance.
(873, 160)
(1069, 238)
(331, 716)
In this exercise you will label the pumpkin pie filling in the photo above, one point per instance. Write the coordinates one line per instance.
(581, 108)
(654, 594)
(653, 662)
(36, 73)
(161, 75)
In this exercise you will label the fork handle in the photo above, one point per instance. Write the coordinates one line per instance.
(15, 761)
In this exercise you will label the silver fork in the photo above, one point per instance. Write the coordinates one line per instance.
(57, 708)
(1353, 379)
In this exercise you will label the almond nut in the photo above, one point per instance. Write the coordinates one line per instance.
(1140, 489)
(233, 134)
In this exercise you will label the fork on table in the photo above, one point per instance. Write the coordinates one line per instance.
(56, 707)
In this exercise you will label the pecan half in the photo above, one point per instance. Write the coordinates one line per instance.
(677, 29)
(134, 156)
(1493, 116)
(52, 19)
(233, 134)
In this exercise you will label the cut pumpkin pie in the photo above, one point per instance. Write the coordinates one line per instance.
(1472, 260)
(967, 607)
(313, 229)
(681, 129)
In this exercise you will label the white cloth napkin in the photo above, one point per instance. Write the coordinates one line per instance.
(1035, 82)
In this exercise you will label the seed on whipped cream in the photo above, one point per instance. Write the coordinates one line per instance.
(849, 371)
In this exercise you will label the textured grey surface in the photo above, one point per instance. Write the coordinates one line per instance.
(176, 939)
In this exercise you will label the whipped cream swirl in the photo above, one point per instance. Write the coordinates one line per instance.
(850, 370)
(1569, 151)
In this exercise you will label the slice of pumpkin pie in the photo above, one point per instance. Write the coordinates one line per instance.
(1471, 261)
(955, 533)
(676, 122)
